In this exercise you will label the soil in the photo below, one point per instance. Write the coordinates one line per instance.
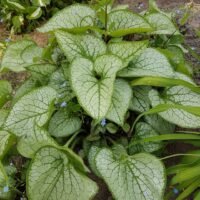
(40, 38)
(137, 5)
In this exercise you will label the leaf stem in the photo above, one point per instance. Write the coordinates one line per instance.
(164, 137)
(111, 140)
(73, 137)
(179, 154)
(106, 22)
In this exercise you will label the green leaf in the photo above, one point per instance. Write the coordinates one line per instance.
(93, 151)
(41, 3)
(167, 137)
(87, 45)
(144, 130)
(159, 124)
(15, 5)
(197, 196)
(26, 87)
(120, 102)
(124, 22)
(176, 56)
(137, 177)
(5, 92)
(140, 101)
(186, 174)
(63, 124)
(20, 55)
(166, 82)
(194, 110)
(53, 176)
(33, 108)
(94, 83)
(153, 7)
(41, 72)
(73, 18)
(3, 176)
(161, 24)
(112, 128)
(189, 159)
(18, 22)
(37, 13)
(187, 14)
(61, 85)
(150, 63)
(184, 78)
(127, 51)
(6, 141)
(189, 190)
(37, 138)
(178, 96)
(3, 116)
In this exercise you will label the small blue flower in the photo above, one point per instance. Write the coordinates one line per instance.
(175, 191)
(103, 122)
(7, 40)
(6, 189)
(63, 104)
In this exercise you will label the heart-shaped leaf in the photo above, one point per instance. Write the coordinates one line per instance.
(150, 63)
(74, 18)
(33, 108)
(37, 138)
(25, 88)
(137, 177)
(124, 22)
(140, 101)
(20, 55)
(63, 124)
(127, 51)
(94, 83)
(120, 102)
(87, 45)
(159, 124)
(161, 24)
(144, 130)
(53, 176)
(178, 95)
(41, 72)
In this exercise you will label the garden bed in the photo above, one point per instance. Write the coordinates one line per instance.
(191, 39)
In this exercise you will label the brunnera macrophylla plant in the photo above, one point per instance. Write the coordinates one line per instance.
(95, 95)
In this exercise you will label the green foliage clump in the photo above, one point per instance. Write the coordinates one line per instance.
(25, 15)
(93, 94)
